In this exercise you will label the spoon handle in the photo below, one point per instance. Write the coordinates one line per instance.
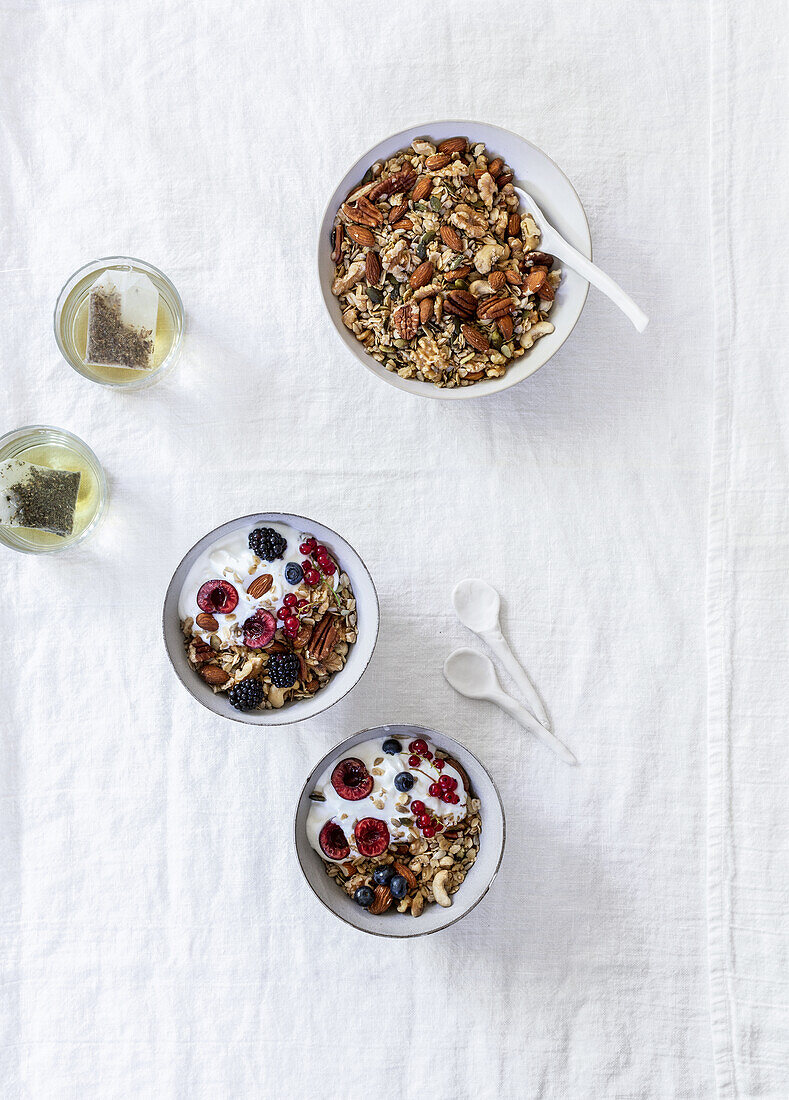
(501, 647)
(520, 714)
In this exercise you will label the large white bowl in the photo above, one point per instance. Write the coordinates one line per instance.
(474, 887)
(555, 195)
(339, 685)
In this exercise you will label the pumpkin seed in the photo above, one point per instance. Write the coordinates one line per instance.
(398, 343)
(506, 350)
(435, 202)
(375, 295)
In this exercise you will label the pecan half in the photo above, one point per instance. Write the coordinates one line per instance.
(364, 213)
(406, 321)
(460, 303)
(337, 235)
(323, 639)
(398, 182)
(493, 308)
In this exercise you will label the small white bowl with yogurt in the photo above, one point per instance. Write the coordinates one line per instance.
(229, 606)
(376, 803)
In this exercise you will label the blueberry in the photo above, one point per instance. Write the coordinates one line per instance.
(391, 746)
(382, 875)
(364, 896)
(294, 574)
(404, 781)
(399, 887)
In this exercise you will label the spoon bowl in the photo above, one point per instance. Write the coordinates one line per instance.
(477, 604)
(471, 673)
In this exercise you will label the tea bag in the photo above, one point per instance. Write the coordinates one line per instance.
(122, 308)
(37, 496)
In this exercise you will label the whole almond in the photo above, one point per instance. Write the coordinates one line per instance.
(537, 276)
(214, 675)
(404, 870)
(206, 621)
(383, 899)
(361, 234)
(474, 337)
(404, 223)
(514, 226)
(495, 167)
(451, 238)
(425, 310)
(513, 277)
(424, 185)
(458, 272)
(422, 275)
(453, 145)
(497, 279)
(505, 326)
(546, 292)
(503, 178)
(438, 160)
(397, 212)
(260, 586)
(372, 268)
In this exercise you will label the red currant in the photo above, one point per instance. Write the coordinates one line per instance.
(424, 821)
(419, 746)
(429, 832)
(439, 763)
(283, 613)
(312, 577)
(453, 798)
(302, 603)
(307, 546)
(305, 565)
(290, 600)
(434, 790)
(438, 827)
(319, 551)
(329, 567)
(414, 761)
(291, 630)
(291, 623)
(427, 754)
(418, 806)
(448, 783)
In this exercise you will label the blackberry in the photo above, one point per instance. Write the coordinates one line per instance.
(248, 695)
(283, 669)
(267, 543)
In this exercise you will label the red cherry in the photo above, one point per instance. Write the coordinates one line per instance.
(424, 820)
(417, 806)
(290, 600)
(312, 577)
(283, 613)
(419, 746)
(434, 790)
(439, 763)
(429, 832)
(414, 761)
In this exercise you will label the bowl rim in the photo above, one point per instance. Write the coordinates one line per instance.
(285, 721)
(441, 393)
(370, 931)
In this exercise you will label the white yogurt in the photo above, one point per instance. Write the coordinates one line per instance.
(230, 559)
(396, 804)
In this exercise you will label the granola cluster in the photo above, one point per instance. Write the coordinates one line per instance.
(437, 273)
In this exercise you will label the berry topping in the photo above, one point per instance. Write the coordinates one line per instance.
(312, 577)
(364, 896)
(438, 826)
(447, 782)
(424, 820)
(329, 567)
(427, 755)
(453, 798)
(294, 574)
(291, 628)
(246, 696)
(419, 746)
(434, 790)
(259, 629)
(332, 841)
(307, 546)
(414, 761)
(302, 603)
(283, 613)
(267, 543)
(284, 668)
(404, 781)
(372, 836)
(439, 763)
(429, 832)
(382, 875)
(351, 780)
(290, 600)
(319, 551)
(417, 806)
(399, 887)
(218, 596)
(391, 746)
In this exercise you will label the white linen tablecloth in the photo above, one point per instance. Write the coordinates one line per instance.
(157, 938)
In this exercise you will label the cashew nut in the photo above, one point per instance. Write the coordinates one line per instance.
(440, 890)
(487, 256)
(542, 328)
(480, 288)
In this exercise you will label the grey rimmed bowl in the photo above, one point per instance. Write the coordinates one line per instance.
(556, 196)
(434, 918)
(359, 654)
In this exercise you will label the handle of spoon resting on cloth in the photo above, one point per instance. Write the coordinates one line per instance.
(530, 723)
(500, 646)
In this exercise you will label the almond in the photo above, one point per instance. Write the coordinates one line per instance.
(422, 275)
(372, 268)
(496, 279)
(424, 185)
(206, 621)
(474, 376)
(425, 310)
(546, 292)
(495, 167)
(513, 277)
(361, 234)
(514, 226)
(451, 238)
(505, 326)
(260, 586)
(474, 337)
(404, 870)
(503, 178)
(537, 276)
(438, 160)
(397, 212)
(214, 675)
(383, 899)
(453, 145)
(458, 272)
(404, 223)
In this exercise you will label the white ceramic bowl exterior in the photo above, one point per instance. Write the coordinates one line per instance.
(434, 918)
(554, 193)
(340, 684)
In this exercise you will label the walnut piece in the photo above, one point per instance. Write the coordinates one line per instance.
(469, 221)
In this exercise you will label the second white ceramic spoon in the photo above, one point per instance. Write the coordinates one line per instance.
(473, 675)
(478, 606)
(553, 242)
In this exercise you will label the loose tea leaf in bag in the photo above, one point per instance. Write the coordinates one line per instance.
(37, 496)
(122, 309)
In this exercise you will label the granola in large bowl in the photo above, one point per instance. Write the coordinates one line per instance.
(269, 617)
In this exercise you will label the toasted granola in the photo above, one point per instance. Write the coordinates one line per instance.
(437, 272)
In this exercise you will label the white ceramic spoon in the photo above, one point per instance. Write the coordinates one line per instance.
(554, 242)
(478, 606)
(473, 675)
